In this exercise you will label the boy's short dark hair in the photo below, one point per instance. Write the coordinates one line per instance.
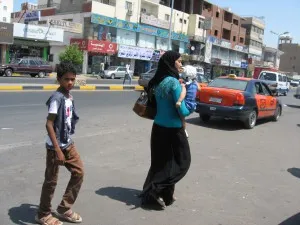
(65, 67)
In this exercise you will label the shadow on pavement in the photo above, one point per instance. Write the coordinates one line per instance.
(23, 214)
(223, 124)
(295, 172)
(294, 220)
(294, 106)
(126, 195)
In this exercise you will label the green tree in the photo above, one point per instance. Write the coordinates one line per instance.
(72, 54)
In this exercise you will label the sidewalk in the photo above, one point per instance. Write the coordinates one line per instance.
(51, 87)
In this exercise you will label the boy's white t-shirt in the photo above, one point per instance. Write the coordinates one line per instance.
(53, 109)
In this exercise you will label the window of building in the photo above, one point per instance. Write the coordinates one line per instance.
(128, 5)
(143, 10)
(180, 20)
(216, 33)
(217, 14)
(5, 8)
(4, 19)
(242, 40)
(184, 21)
(236, 22)
(234, 38)
(200, 24)
(167, 17)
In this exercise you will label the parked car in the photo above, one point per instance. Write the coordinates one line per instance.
(146, 77)
(32, 66)
(277, 82)
(116, 72)
(294, 83)
(238, 98)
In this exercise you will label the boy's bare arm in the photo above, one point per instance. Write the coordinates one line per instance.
(52, 135)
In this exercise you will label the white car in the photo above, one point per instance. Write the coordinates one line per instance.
(277, 82)
(116, 72)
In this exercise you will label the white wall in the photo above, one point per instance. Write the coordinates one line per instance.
(119, 11)
(6, 13)
(177, 15)
(56, 50)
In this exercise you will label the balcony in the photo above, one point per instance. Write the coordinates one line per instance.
(106, 2)
(52, 5)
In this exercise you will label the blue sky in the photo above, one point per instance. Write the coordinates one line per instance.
(279, 16)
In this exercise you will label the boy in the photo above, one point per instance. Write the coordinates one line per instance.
(61, 151)
(189, 76)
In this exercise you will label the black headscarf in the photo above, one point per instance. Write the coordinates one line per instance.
(166, 67)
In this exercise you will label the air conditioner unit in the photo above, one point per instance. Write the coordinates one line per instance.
(143, 10)
(129, 12)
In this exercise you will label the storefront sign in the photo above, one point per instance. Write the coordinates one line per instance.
(23, 42)
(135, 27)
(208, 50)
(225, 44)
(135, 52)
(234, 63)
(104, 47)
(156, 55)
(244, 65)
(66, 25)
(225, 62)
(37, 32)
(32, 16)
(6, 33)
(152, 20)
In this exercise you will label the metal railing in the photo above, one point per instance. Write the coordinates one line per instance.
(106, 2)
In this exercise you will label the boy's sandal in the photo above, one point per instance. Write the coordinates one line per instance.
(70, 216)
(48, 220)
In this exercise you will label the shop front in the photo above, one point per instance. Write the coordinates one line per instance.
(33, 41)
(6, 38)
(95, 53)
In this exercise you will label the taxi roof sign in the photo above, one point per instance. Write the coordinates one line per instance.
(232, 76)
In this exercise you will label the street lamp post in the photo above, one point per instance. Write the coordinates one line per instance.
(277, 48)
(170, 27)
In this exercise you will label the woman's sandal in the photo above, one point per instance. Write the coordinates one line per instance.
(69, 216)
(48, 220)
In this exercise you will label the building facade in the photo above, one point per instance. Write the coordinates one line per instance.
(6, 29)
(6, 8)
(290, 59)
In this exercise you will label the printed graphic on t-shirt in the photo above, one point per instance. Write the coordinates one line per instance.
(53, 109)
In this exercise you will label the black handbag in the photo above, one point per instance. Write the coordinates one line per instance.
(145, 106)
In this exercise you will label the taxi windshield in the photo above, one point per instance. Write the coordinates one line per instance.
(229, 84)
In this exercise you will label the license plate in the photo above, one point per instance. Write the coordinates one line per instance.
(212, 108)
(217, 100)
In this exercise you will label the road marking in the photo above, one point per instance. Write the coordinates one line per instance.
(88, 88)
(28, 105)
(50, 87)
(7, 128)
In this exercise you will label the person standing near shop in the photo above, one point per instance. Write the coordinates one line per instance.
(127, 74)
(101, 70)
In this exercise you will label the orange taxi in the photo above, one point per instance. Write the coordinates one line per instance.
(238, 98)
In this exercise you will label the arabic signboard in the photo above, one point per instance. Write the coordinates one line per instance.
(37, 32)
(66, 25)
(32, 16)
(152, 20)
(6, 33)
(104, 47)
(244, 65)
(135, 52)
(135, 27)
(234, 63)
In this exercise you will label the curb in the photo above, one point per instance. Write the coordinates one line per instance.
(76, 88)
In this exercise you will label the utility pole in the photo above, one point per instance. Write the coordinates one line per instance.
(170, 27)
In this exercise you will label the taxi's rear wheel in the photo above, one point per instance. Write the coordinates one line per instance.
(205, 118)
(251, 120)
(277, 114)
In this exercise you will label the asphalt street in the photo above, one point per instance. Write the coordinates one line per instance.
(47, 80)
(237, 176)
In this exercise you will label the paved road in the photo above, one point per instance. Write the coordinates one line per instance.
(237, 176)
(28, 79)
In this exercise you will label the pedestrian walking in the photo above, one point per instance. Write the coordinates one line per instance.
(61, 151)
(127, 74)
(170, 151)
(101, 73)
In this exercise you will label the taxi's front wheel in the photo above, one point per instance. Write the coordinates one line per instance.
(251, 120)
